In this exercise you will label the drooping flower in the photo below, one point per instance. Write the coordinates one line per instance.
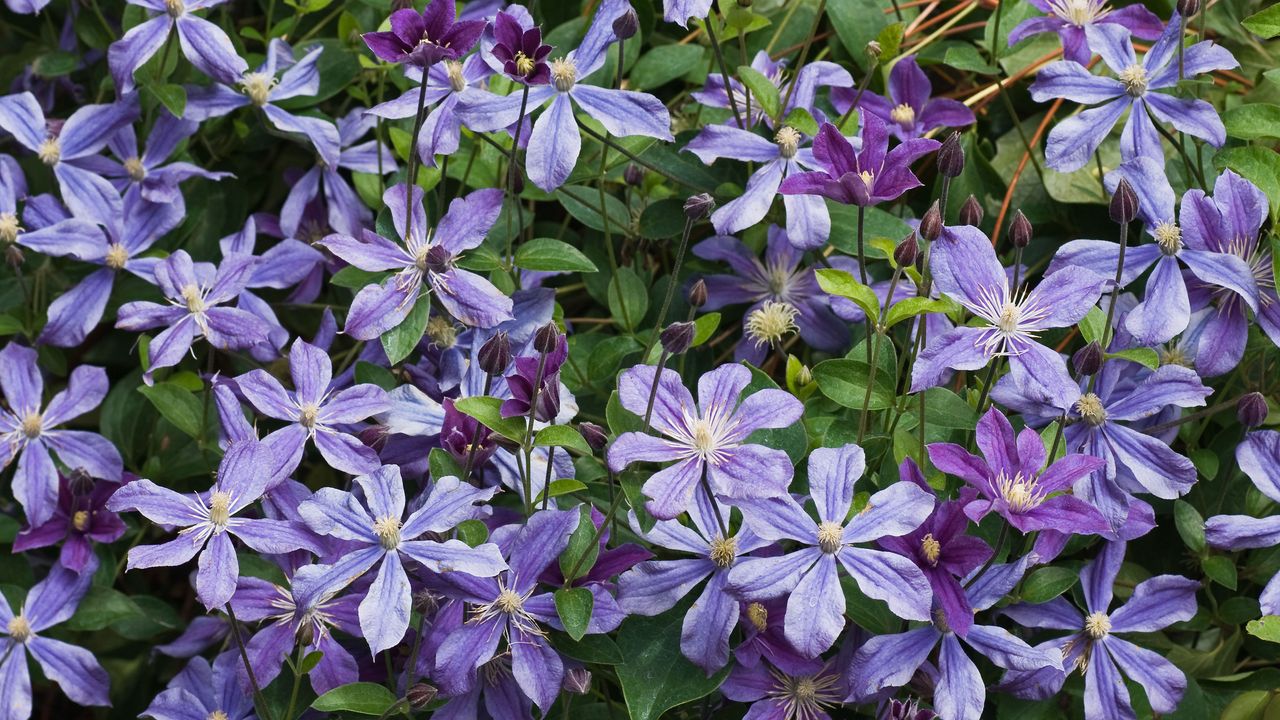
(1259, 457)
(809, 576)
(215, 691)
(80, 519)
(347, 213)
(426, 38)
(202, 42)
(707, 437)
(208, 520)
(909, 110)
(452, 86)
(27, 431)
(521, 51)
(868, 176)
(1070, 18)
(428, 258)
(50, 602)
(1103, 658)
(1073, 141)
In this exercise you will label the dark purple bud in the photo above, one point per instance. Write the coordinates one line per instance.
(971, 212)
(1188, 8)
(1252, 410)
(627, 24)
(699, 206)
(906, 710)
(678, 337)
(495, 354)
(633, 174)
(1020, 230)
(577, 681)
(907, 251)
(1088, 359)
(698, 293)
(595, 435)
(420, 695)
(1124, 203)
(951, 156)
(544, 340)
(517, 182)
(931, 224)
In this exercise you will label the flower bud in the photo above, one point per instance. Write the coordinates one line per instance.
(1124, 203)
(698, 293)
(873, 50)
(13, 256)
(1188, 8)
(306, 634)
(633, 174)
(1020, 230)
(495, 354)
(1252, 410)
(546, 338)
(931, 224)
(577, 681)
(517, 182)
(804, 377)
(907, 251)
(699, 206)
(1088, 359)
(627, 24)
(971, 212)
(80, 482)
(951, 156)
(420, 695)
(595, 435)
(677, 337)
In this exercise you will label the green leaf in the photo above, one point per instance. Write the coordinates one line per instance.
(763, 92)
(628, 298)
(662, 219)
(563, 486)
(1259, 165)
(844, 380)
(857, 22)
(1253, 121)
(1265, 23)
(890, 40)
(1221, 570)
(801, 120)
(1267, 628)
(551, 254)
(583, 203)
(173, 97)
(55, 64)
(594, 649)
(177, 405)
(375, 375)
(912, 307)
(400, 340)
(842, 284)
(442, 464)
(561, 436)
(364, 698)
(101, 607)
(583, 548)
(472, 532)
(1143, 356)
(663, 64)
(655, 676)
(487, 411)
(574, 606)
(1048, 583)
(310, 660)
(966, 57)
(1093, 324)
(704, 327)
(1190, 525)
(354, 278)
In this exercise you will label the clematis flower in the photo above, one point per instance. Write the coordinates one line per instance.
(428, 257)
(50, 602)
(1259, 457)
(452, 86)
(49, 228)
(809, 576)
(520, 383)
(262, 89)
(1010, 479)
(208, 690)
(521, 51)
(909, 111)
(965, 267)
(87, 194)
(806, 692)
(196, 308)
(869, 176)
(681, 12)
(147, 171)
(381, 534)
(704, 438)
(315, 412)
(202, 42)
(1071, 18)
(28, 432)
(1073, 141)
(655, 586)
(1199, 242)
(555, 143)
(80, 520)
(347, 213)
(208, 520)
(424, 39)
(811, 76)
(1093, 648)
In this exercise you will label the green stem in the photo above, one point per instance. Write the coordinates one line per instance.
(258, 697)
(724, 71)
(297, 680)
(671, 287)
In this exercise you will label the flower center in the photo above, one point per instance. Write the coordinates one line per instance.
(32, 424)
(704, 438)
(50, 151)
(830, 536)
(20, 629)
(258, 86)
(388, 531)
(868, 178)
(307, 415)
(508, 601)
(442, 332)
(1175, 356)
(804, 696)
(195, 301)
(9, 228)
(772, 321)
(133, 166)
(220, 508)
(1078, 12)
(80, 520)
(1007, 321)
(175, 8)
(434, 259)
(758, 615)
(930, 548)
(456, 81)
(1019, 492)
(1134, 79)
(564, 74)
(117, 256)
(1168, 237)
(524, 63)
(904, 115)
(1089, 406)
(788, 139)
(1097, 625)
(723, 551)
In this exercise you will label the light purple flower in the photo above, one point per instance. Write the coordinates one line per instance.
(1073, 141)
(424, 39)
(868, 176)
(206, 690)
(80, 520)
(147, 170)
(381, 535)
(811, 76)
(681, 12)
(708, 437)
(452, 86)
(1070, 18)
(800, 693)
(51, 602)
(809, 575)
(208, 520)
(909, 110)
(27, 431)
(1259, 457)
(202, 42)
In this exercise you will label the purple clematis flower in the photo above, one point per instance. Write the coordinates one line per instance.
(521, 51)
(147, 171)
(27, 431)
(798, 693)
(869, 176)
(1259, 457)
(808, 79)
(381, 535)
(909, 110)
(261, 89)
(424, 39)
(809, 576)
(80, 520)
(707, 438)
(87, 194)
(206, 690)
(452, 86)
(1010, 480)
(196, 295)
(427, 257)
(520, 383)
(555, 143)
(681, 12)
(347, 213)
(1094, 649)
(1070, 19)
(208, 521)
(51, 602)
(49, 229)
(965, 267)
(202, 42)
(1073, 141)
(314, 411)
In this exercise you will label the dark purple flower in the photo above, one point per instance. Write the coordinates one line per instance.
(1259, 457)
(524, 375)
(80, 520)
(909, 110)
(202, 42)
(1070, 19)
(521, 51)
(206, 690)
(424, 39)
(868, 176)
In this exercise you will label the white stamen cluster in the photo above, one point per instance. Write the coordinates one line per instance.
(788, 139)
(804, 697)
(930, 549)
(724, 550)
(50, 151)
(9, 228)
(32, 425)
(1169, 237)
(454, 70)
(830, 537)
(258, 86)
(117, 256)
(388, 531)
(135, 170)
(1015, 319)
(1134, 79)
(19, 629)
(1097, 625)
(771, 322)
(1090, 409)
(903, 114)
(564, 74)
(1019, 492)
(1079, 12)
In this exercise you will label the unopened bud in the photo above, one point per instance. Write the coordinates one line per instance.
(907, 251)
(1188, 8)
(595, 435)
(1252, 410)
(1088, 359)
(804, 376)
(517, 182)
(627, 24)
(1124, 203)
(931, 224)
(951, 156)
(699, 206)
(633, 174)
(80, 482)
(420, 695)
(13, 256)
(546, 338)
(495, 354)
(677, 337)
(1020, 230)
(698, 293)
(577, 681)
(873, 50)
(971, 212)
(306, 634)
